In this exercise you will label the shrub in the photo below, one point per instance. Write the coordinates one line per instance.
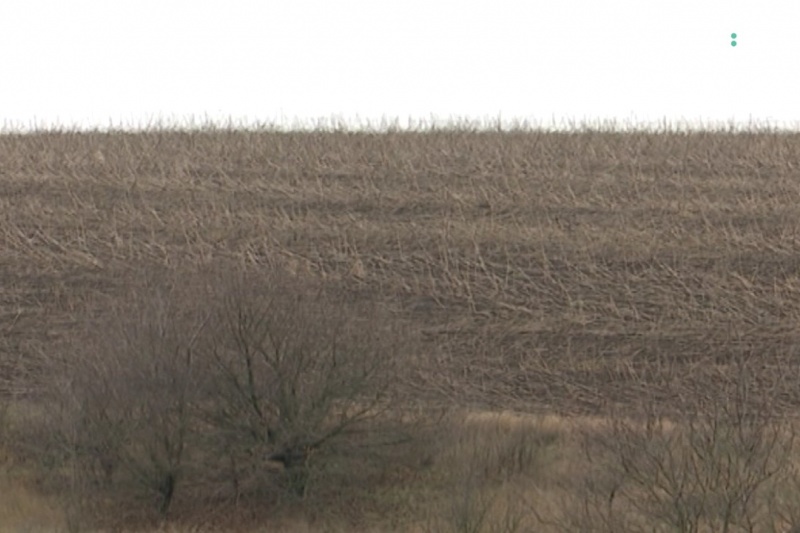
(219, 381)
(298, 365)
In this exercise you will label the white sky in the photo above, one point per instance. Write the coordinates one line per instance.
(95, 62)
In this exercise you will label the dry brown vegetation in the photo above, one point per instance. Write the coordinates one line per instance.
(541, 331)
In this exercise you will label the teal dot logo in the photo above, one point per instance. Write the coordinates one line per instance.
(733, 36)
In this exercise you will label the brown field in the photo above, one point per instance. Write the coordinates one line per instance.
(560, 296)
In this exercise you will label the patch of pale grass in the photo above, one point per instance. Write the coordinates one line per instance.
(22, 509)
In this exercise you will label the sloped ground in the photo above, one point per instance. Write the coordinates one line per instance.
(583, 273)
(569, 270)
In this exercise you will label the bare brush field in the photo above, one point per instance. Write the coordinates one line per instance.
(589, 280)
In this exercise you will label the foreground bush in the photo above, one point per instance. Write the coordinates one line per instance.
(721, 465)
(218, 383)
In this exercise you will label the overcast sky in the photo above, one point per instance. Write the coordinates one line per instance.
(95, 62)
